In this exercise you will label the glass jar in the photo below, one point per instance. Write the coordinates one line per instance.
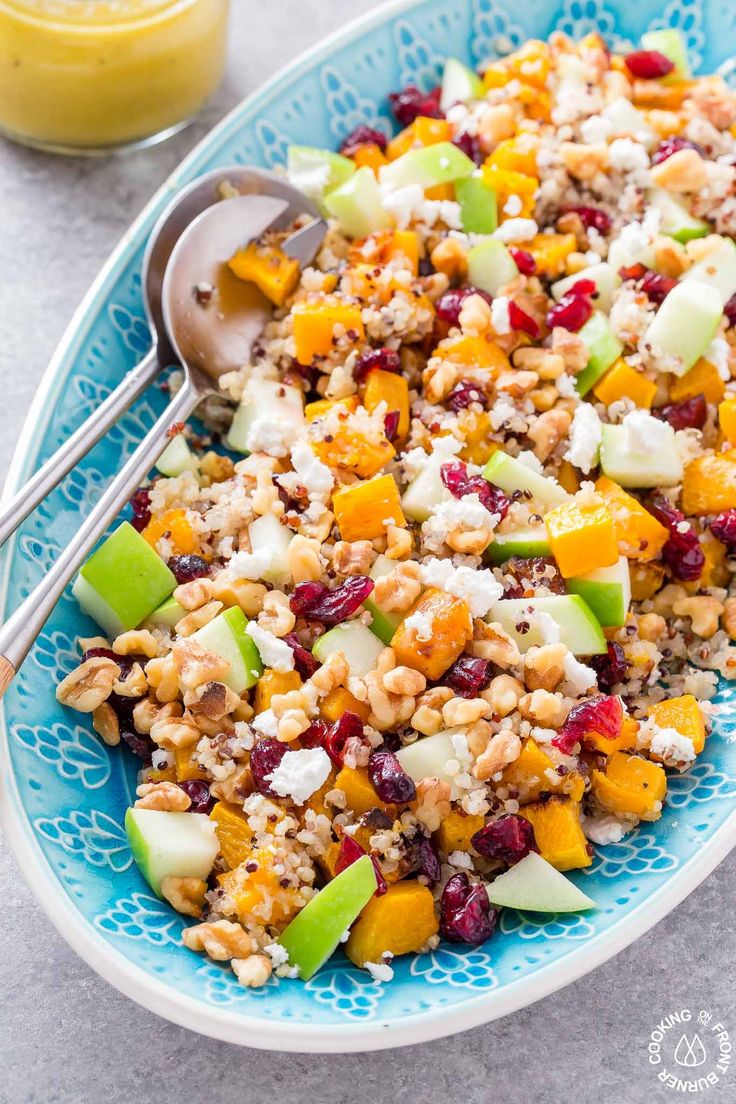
(87, 76)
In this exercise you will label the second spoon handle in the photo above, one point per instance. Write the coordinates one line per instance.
(53, 470)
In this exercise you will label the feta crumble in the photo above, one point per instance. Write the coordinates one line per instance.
(516, 230)
(645, 434)
(300, 774)
(500, 315)
(717, 355)
(420, 624)
(480, 588)
(274, 652)
(585, 438)
(579, 677)
(251, 565)
(273, 435)
(379, 971)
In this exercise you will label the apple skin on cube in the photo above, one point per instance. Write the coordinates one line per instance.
(607, 591)
(171, 845)
(512, 475)
(718, 269)
(428, 167)
(264, 398)
(578, 627)
(675, 219)
(317, 171)
(357, 205)
(636, 469)
(670, 42)
(360, 647)
(226, 636)
(123, 581)
(603, 275)
(167, 614)
(428, 757)
(491, 266)
(478, 206)
(686, 323)
(176, 458)
(314, 933)
(426, 490)
(459, 84)
(603, 348)
(534, 885)
(267, 532)
(525, 543)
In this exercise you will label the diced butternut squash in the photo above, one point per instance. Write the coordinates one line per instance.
(176, 528)
(363, 510)
(655, 95)
(186, 767)
(350, 448)
(646, 580)
(621, 381)
(475, 427)
(497, 75)
(568, 478)
(518, 154)
(328, 861)
(233, 833)
(630, 784)
(257, 894)
(451, 626)
(360, 796)
(401, 921)
(682, 714)
(640, 536)
(371, 155)
(271, 683)
(391, 388)
(528, 775)
(340, 701)
(709, 484)
(582, 538)
(476, 352)
(423, 131)
(702, 379)
(321, 407)
(316, 323)
(594, 741)
(316, 801)
(531, 62)
(269, 268)
(506, 183)
(727, 420)
(405, 244)
(558, 832)
(456, 831)
(550, 251)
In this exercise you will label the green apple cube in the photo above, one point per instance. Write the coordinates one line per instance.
(603, 348)
(526, 543)
(662, 468)
(478, 205)
(534, 885)
(357, 205)
(317, 171)
(685, 324)
(428, 167)
(171, 845)
(226, 636)
(428, 757)
(459, 84)
(512, 475)
(607, 590)
(576, 623)
(384, 624)
(491, 266)
(123, 582)
(670, 42)
(264, 400)
(360, 647)
(426, 490)
(718, 269)
(603, 275)
(167, 615)
(267, 533)
(315, 932)
(675, 219)
(177, 458)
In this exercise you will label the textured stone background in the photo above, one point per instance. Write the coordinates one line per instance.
(65, 1035)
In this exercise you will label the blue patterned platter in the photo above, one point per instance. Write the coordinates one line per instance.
(63, 794)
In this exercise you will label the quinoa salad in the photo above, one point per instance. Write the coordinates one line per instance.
(437, 599)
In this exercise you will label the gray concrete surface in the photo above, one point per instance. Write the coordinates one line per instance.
(65, 1035)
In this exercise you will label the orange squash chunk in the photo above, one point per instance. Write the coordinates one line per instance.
(423, 131)
(363, 510)
(456, 831)
(621, 381)
(682, 714)
(476, 352)
(351, 449)
(640, 536)
(505, 183)
(558, 832)
(401, 921)
(582, 538)
(321, 407)
(186, 767)
(518, 154)
(391, 388)
(550, 251)
(709, 484)
(476, 429)
(257, 894)
(270, 269)
(370, 154)
(451, 627)
(271, 683)
(630, 784)
(176, 527)
(727, 419)
(340, 701)
(528, 775)
(702, 379)
(233, 832)
(646, 580)
(625, 742)
(359, 792)
(315, 323)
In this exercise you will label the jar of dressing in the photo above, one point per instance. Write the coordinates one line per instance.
(87, 76)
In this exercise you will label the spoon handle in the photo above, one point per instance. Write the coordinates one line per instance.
(23, 626)
(53, 470)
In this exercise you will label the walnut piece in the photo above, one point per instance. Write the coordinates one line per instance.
(167, 797)
(254, 971)
(88, 685)
(186, 895)
(502, 749)
(433, 803)
(221, 940)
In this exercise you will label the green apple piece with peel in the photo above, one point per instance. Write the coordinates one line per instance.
(317, 171)
(459, 84)
(533, 885)
(264, 399)
(428, 756)
(718, 269)
(675, 219)
(685, 324)
(603, 348)
(168, 614)
(575, 622)
(607, 590)
(171, 845)
(384, 623)
(670, 42)
(428, 167)
(662, 468)
(426, 489)
(177, 458)
(267, 533)
(603, 275)
(226, 636)
(526, 542)
(478, 205)
(314, 933)
(491, 266)
(357, 643)
(512, 475)
(357, 205)
(123, 582)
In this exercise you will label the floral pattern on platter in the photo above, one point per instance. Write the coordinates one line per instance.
(67, 791)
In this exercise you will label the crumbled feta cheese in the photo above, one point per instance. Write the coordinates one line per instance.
(500, 315)
(502, 411)
(313, 474)
(266, 723)
(513, 205)
(566, 386)
(468, 511)
(379, 971)
(627, 156)
(480, 588)
(645, 434)
(250, 565)
(402, 202)
(277, 954)
(530, 461)
(274, 652)
(272, 434)
(300, 774)
(579, 677)
(674, 749)
(585, 438)
(516, 230)
(717, 354)
(595, 129)
(605, 829)
(420, 624)
(548, 628)
(161, 760)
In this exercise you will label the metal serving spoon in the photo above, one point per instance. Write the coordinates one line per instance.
(212, 339)
(180, 212)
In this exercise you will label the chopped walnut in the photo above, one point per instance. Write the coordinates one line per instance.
(546, 364)
(214, 700)
(729, 617)
(433, 803)
(197, 619)
(549, 429)
(491, 641)
(683, 171)
(303, 559)
(195, 665)
(333, 673)
(464, 711)
(475, 315)
(88, 685)
(236, 787)
(439, 378)
(105, 722)
(399, 590)
(216, 468)
(163, 678)
(544, 667)
(186, 895)
(571, 348)
(254, 971)
(239, 592)
(703, 611)
(517, 383)
(191, 596)
(134, 685)
(651, 626)
(504, 694)
(174, 732)
(502, 749)
(404, 680)
(276, 616)
(545, 709)
(584, 161)
(221, 940)
(164, 796)
(147, 712)
(353, 557)
(450, 257)
(398, 542)
(137, 642)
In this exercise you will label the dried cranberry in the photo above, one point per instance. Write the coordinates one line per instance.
(592, 218)
(123, 662)
(573, 310)
(386, 359)
(611, 667)
(186, 568)
(411, 102)
(672, 145)
(635, 271)
(142, 746)
(333, 737)
(304, 661)
(730, 310)
(509, 839)
(466, 915)
(391, 424)
(264, 759)
(525, 262)
(139, 504)
(362, 136)
(656, 286)
(470, 146)
(330, 606)
(424, 859)
(689, 414)
(454, 476)
(468, 675)
(682, 552)
(463, 394)
(648, 64)
(389, 779)
(199, 795)
(724, 528)
(521, 321)
(350, 851)
(603, 714)
(448, 306)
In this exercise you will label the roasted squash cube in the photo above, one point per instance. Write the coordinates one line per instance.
(594, 741)
(340, 701)
(317, 324)
(178, 530)
(322, 407)
(363, 510)
(709, 483)
(630, 784)
(369, 154)
(391, 388)
(401, 922)
(727, 420)
(351, 449)
(582, 538)
(702, 379)
(640, 536)
(456, 831)
(186, 767)
(646, 580)
(621, 381)
(269, 268)
(474, 352)
(533, 773)
(272, 683)
(550, 252)
(360, 796)
(257, 894)
(233, 832)
(451, 627)
(506, 183)
(683, 714)
(558, 832)
(518, 154)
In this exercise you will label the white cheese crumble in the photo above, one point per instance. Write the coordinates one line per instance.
(500, 315)
(468, 511)
(266, 723)
(627, 156)
(605, 829)
(595, 129)
(717, 354)
(516, 230)
(480, 588)
(277, 954)
(585, 438)
(312, 473)
(501, 412)
(674, 749)
(579, 678)
(251, 565)
(420, 624)
(513, 205)
(274, 652)
(646, 435)
(379, 971)
(530, 461)
(273, 435)
(300, 774)
(548, 628)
